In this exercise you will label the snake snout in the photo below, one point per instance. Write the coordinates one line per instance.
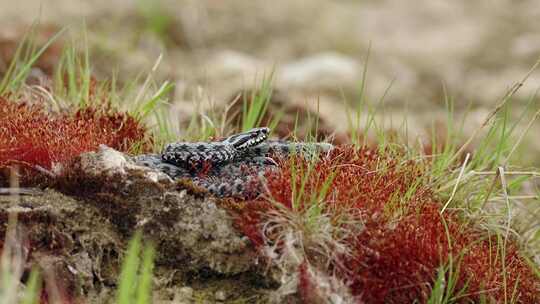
(251, 138)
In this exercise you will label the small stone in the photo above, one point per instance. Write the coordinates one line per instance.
(220, 295)
(184, 293)
(323, 70)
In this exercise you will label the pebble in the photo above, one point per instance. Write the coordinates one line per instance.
(184, 293)
(220, 295)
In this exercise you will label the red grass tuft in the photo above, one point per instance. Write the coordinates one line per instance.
(396, 256)
(32, 137)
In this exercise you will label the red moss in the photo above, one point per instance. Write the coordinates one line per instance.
(32, 137)
(397, 254)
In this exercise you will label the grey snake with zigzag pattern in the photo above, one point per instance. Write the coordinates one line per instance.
(231, 167)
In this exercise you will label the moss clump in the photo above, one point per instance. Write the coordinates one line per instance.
(33, 138)
(386, 217)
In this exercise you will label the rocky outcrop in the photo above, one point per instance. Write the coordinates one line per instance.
(78, 232)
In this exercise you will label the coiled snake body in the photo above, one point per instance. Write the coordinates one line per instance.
(232, 167)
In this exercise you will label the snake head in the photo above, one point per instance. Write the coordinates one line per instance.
(248, 139)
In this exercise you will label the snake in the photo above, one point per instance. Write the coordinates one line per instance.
(234, 166)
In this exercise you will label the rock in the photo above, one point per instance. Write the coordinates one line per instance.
(183, 295)
(220, 295)
(80, 234)
(321, 71)
(233, 64)
(192, 232)
(109, 162)
(68, 240)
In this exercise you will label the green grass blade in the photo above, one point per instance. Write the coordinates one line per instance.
(128, 276)
(151, 104)
(437, 292)
(254, 110)
(32, 288)
(16, 57)
(144, 289)
(22, 72)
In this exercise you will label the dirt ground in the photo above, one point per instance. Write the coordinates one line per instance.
(473, 51)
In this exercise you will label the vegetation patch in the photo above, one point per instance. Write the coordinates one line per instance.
(368, 223)
(371, 220)
(34, 138)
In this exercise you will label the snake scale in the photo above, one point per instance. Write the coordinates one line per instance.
(232, 167)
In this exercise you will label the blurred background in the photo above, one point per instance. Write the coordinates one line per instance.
(413, 55)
